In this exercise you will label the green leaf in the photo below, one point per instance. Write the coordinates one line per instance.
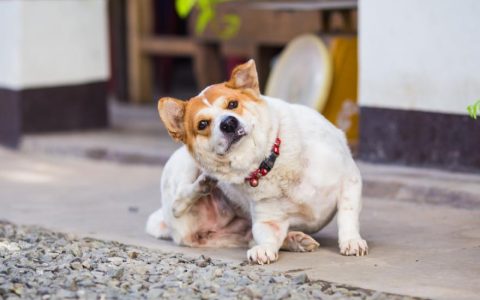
(184, 7)
(474, 110)
(205, 16)
(470, 112)
(232, 25)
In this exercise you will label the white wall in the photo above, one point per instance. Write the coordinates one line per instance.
(420, 54)
(52, 42)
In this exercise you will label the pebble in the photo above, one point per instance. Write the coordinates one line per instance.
(132, 254)
(300, 278)
(116, 260)
(41, 264)
(76, 265)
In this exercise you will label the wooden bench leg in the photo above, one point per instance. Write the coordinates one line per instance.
(139, 18)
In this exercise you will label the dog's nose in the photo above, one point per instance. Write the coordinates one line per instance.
(229, 124)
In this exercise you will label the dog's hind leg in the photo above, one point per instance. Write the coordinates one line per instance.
(348, 210)
(297, 241)
(156, 226)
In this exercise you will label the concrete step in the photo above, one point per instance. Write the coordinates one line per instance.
(154, 147)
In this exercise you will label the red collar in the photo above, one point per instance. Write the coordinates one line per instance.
(266, 165)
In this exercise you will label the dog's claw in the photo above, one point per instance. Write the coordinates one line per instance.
(354, 247)
(262, 254)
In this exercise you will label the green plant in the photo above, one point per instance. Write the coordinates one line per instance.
(226, 28)
(474, 110)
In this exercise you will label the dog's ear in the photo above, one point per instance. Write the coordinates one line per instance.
(172, 113)
(245, 76)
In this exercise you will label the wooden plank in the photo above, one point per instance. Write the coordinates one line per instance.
(306, 5)
(266, 27)
(247, 50)
(139, 22)
(168, 45)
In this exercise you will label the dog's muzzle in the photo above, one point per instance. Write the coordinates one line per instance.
(232, 130)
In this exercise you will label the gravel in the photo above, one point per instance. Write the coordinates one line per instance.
(40, 264)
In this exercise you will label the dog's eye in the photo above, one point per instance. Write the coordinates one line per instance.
(202, 124)
(232, 104)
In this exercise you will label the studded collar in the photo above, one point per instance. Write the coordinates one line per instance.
(266, 165)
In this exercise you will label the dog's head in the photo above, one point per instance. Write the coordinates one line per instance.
(219, 125)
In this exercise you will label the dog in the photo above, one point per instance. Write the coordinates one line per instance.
(196, 213)
(291, 165)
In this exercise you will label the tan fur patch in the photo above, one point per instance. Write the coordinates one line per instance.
(194, 107)
(273, 225)
(305, 212)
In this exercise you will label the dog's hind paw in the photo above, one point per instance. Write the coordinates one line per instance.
(206, 184)
(297, 241)
(354, 247)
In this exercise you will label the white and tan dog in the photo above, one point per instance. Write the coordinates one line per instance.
(290, 165)
(196, 213)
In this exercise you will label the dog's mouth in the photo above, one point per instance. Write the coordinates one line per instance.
(235, 138)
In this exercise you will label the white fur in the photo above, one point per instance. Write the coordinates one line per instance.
(179, 174)
(181, 187)
(314, 176)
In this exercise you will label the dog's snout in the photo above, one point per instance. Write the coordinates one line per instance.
(229, 124)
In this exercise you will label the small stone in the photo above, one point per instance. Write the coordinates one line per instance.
(116, 273)
(132, 254)
(18, 289)
(86, 264)
(218, 273)
(76, 265)
(81, 294)
(155, 294)
(142, 270)
(116, 260)
(283, 293)
(318, 294)
(63, 294)
(300, 278)
(203, 261)
(253, 277)
(75, 250)
(253, 293)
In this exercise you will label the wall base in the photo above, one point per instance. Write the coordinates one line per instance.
(420, 138)
(62, 108)
(10, 119)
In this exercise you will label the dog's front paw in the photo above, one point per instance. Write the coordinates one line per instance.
(206, 184)
(354, 247)
(262, 254)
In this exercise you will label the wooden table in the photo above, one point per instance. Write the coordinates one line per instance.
(266, 27)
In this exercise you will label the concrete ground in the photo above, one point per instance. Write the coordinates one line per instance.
(416, 248)
(423, 226)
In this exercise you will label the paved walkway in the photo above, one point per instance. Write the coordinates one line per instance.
(419, 247)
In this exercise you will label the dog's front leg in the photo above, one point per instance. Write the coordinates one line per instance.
(348, 211)
(188, 194)
(269, 232)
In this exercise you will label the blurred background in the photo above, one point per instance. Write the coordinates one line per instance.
(82, 77)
